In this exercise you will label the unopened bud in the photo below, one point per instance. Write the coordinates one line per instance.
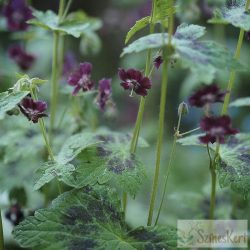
(14, 111)
(183, 109)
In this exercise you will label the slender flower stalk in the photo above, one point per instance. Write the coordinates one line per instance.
(172, 155)
(161, 115)
(140, 113)
(231, 81)
(1, 233)
(55, 72)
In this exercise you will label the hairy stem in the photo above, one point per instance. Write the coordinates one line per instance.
(161, 116)
(172, 154)
(231, 81)
(1, 233)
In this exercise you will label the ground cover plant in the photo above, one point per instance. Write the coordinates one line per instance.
(116, 125)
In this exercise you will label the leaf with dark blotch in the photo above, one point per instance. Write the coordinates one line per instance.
(234, 164)
(75, 24)
(110, 161)
(50, 170)
(234, 14)
(193, 53)
(88, 219)
(8, 101)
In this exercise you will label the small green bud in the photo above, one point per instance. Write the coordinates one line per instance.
(183, 109)
(14, 111)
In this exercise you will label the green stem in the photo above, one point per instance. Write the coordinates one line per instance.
(140, 113)
(43, 130)
(231, 81)
(161, 117)
(1, 233)
(213, 194)
(54, 81)
(172, 154)
(61, 9)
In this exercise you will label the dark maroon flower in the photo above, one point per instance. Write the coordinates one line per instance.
(70, 64)
(158, 61)
(80, 79)
(15, 214)
(33, 110)
(104, 93)
(207, 95)
(17, 13)
(216, 129)
(134, 80)
(23, 59)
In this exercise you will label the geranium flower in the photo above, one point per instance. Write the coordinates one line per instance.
(134, 80)
(80, 79)
(216, 129)
(158, 61)
(23, 59)
(17, 13)
(207, 95)
(104, 93)
(32, 109)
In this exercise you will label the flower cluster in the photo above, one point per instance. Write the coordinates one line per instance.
(134, 81)
(17, 13)
(32, 109)
(215, 127)
(23, 59)
(81, 80)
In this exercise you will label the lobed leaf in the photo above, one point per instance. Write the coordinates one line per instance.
(8, 101)
(88, 219)
(202, 55)
(241, 102)
(87, 159)
(234, 164)
(75, 24)
(235, 14)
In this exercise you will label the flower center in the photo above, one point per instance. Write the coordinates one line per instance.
(217, 131)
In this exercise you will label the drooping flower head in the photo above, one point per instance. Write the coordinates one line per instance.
(17, 13)
(32, 109)
(158, 61)
(216, 129)
(207, 95)
(134, 80)
(104, 94)
(70, 64)
(81, 79)
(23, 59)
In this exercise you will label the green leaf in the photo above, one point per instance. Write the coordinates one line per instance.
(50, 170)
(139, 25)
(8, 101)
(234, 164)
(191, 140)
(110, 161)
(88, 219)
(241, 102)
(75, 145)
(75, 24)
(235, 14)
(202, 55)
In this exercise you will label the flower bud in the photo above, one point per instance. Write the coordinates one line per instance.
(183, 109)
